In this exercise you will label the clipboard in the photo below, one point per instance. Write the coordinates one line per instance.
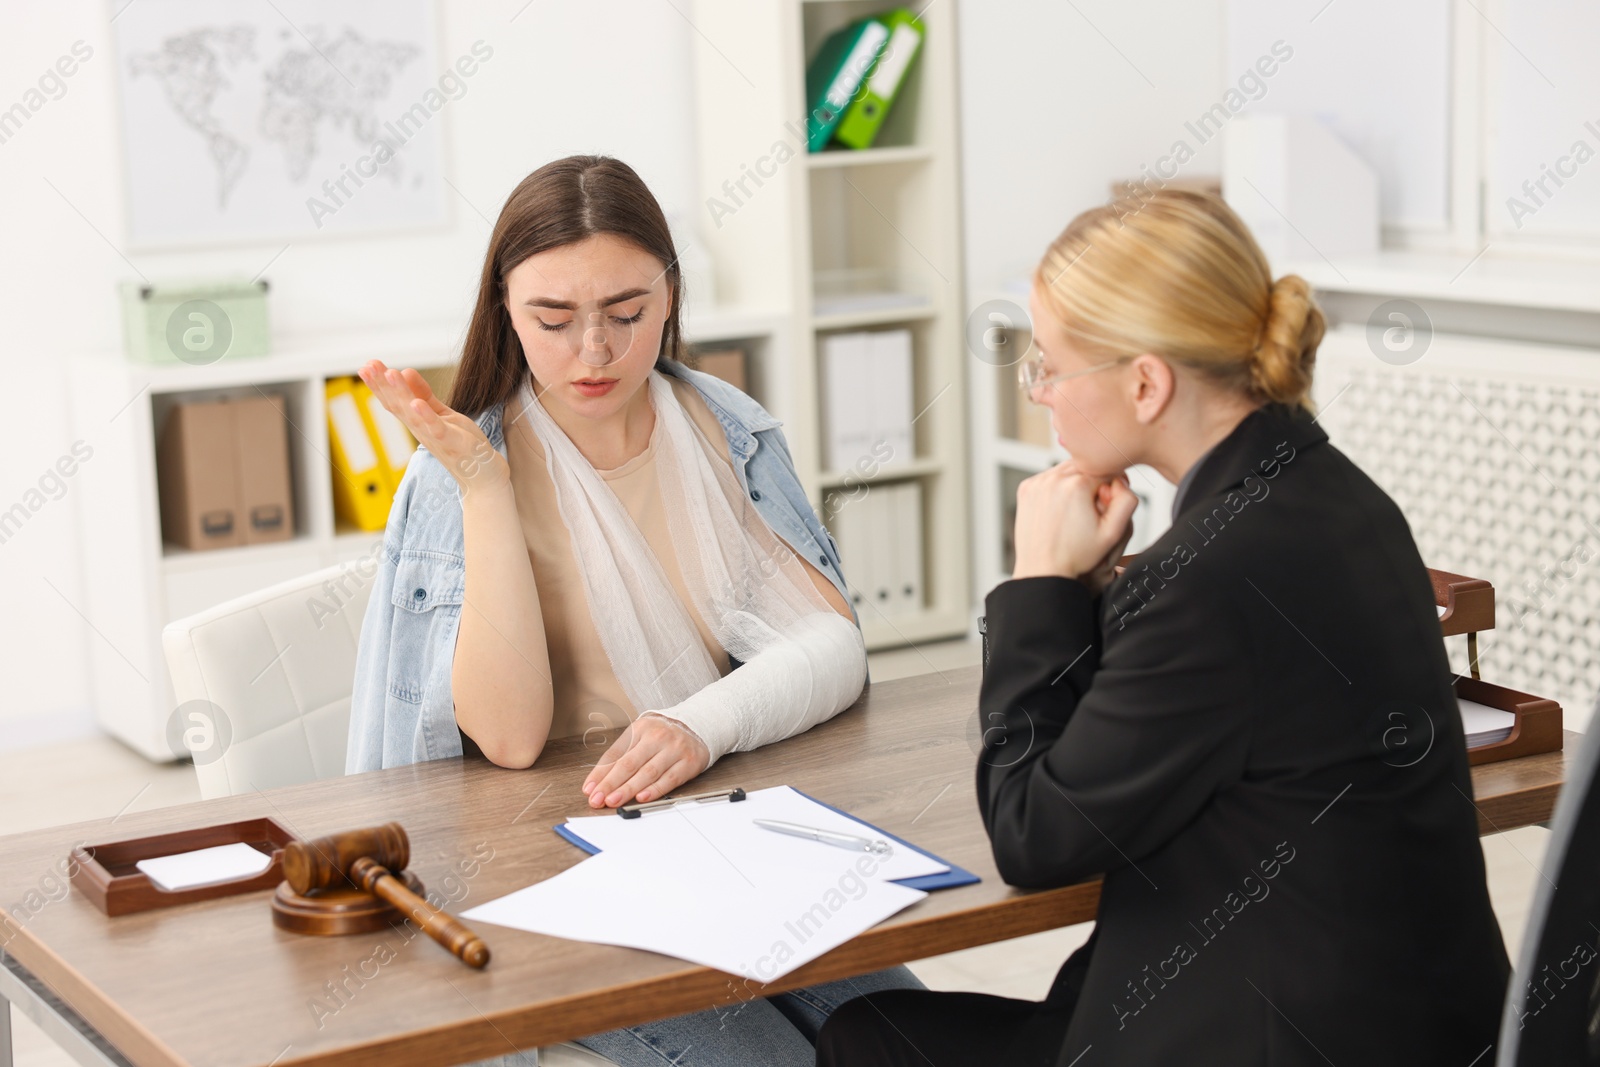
(955, 876)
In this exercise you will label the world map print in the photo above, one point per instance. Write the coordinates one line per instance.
(231, 125)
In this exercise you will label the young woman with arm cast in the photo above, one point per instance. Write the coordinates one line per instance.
(593, 535)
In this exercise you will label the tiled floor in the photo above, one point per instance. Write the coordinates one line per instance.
(99, 778)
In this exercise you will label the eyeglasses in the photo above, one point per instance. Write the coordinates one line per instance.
(1030, 375)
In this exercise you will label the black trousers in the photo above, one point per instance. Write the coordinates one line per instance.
(924, 1028)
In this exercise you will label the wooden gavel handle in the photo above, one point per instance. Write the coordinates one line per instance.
(450, 932)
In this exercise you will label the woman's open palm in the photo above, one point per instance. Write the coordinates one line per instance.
(455, 440)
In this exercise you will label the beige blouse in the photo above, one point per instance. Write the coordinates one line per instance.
(587, 692)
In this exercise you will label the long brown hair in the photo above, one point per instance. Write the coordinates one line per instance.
(1178, 273)
(561, 203)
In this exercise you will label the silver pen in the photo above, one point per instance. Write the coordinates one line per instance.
(827, 837)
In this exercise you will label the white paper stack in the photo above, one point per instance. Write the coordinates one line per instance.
(205, 866)
(1484, 725)
(703, 883)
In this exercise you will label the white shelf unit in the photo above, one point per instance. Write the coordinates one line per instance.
(134, 584)
(791, 223)
(869, 157)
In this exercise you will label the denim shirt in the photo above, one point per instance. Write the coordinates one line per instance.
(401, 709)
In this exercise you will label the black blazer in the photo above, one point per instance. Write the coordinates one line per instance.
(1253, 736)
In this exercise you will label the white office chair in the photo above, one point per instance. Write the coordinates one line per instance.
(264, 683)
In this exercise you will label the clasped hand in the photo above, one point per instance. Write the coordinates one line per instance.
(651, 758)
(1073, 525)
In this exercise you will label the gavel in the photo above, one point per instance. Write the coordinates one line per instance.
(364, 858)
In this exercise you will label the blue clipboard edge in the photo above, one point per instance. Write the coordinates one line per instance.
(955, 876)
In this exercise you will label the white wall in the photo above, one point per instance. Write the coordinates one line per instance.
(606, 76)
(1058, 100)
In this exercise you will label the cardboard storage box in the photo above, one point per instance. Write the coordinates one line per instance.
(724, 363)
(223, 473)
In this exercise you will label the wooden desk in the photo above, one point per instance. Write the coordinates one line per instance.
(1521, 792)
(216, 983)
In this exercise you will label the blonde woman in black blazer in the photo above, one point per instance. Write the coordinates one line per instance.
(1250, 733)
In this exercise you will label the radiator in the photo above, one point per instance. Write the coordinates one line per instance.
(1492, 451)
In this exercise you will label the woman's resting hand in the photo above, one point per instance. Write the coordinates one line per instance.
(651, 758)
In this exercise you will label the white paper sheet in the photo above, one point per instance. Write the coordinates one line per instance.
(206, 866)
(755, 921)
(1484, 725)
(730, 829)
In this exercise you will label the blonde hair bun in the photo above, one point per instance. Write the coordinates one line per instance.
(1177, 273)
(1282, 364)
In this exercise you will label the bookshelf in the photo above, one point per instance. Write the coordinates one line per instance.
(134, 584)
(812, 232)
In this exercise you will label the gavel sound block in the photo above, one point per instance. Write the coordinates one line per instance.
(342, 884)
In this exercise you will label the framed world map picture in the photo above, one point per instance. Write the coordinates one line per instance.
(283, 119)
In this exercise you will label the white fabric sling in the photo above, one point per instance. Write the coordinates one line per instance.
(748, 586)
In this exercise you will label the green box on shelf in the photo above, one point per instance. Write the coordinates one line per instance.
(197, 322)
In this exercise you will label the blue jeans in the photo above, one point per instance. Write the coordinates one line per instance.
(776, 1031)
